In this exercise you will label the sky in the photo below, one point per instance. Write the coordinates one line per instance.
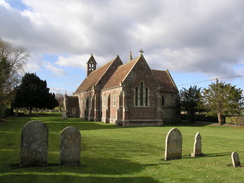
(197, 41)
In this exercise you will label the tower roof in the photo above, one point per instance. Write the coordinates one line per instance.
(94, 77)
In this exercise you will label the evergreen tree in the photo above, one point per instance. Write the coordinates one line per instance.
(222, 99)
(33, 92)
(189, 99)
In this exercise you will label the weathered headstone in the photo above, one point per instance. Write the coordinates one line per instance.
(173, 145)
(235, 159)
(197, 148)
(34, 144)
(70, 140)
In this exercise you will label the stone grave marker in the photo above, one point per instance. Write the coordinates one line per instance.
(34, 144)
(235, 159)
(70, 146)
(173, 145)
(197, 148)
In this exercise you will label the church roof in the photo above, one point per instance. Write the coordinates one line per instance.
(165, 80)
(93, 78)
(120, 74)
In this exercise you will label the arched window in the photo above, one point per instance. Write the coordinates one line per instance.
(87, 103)
(141, 93)
(163, 102)
(114, 99)
(136, 96)
(146, 97)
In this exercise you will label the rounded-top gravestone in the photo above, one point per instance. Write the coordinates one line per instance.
(173, 145)
(70, 140)
(235, 159)
(34, 144)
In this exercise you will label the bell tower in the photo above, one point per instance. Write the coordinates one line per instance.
(91, 65)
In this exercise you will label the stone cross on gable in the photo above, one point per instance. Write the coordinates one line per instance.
(141, 51)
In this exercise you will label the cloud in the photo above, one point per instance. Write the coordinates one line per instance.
(78, 61)
(58, 71)
(186, 36)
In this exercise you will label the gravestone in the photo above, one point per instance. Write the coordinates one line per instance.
(173, 145)
(197, 148)
(34, 144)
(70, 140)
(235, 159)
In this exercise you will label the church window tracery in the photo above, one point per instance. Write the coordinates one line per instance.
(141, 95)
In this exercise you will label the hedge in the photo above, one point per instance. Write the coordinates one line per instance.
(201, 118)
(235, 120)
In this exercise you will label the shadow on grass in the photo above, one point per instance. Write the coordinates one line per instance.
(217, 154)
(85, 125)
(67, 177)
(103, 166)
(113, 166)
(188, 124)
(90, 170)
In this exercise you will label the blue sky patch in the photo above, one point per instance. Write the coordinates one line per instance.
(17, 4)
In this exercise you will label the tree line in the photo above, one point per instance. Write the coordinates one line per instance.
(30, 91)
(219, 99)
(17, 90)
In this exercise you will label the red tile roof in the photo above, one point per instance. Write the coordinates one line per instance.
(120, 74)
(163, 77)
(93, 78)
(165, 80)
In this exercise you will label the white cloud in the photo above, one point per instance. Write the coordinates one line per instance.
(5, 4)
(79, 61)
(187, 35)
(58, 71)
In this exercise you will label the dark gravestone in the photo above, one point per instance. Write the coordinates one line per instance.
(173, 145)
(34, 144)
(235, 159)
(70, 140)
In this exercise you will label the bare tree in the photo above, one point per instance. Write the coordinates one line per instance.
(60, 99)
(12, 61)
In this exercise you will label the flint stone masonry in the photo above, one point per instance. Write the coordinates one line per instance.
(197, 148)
(173, 145)
(34, 144)
(70, 140)
(235, 159)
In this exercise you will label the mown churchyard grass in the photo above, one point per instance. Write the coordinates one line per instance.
(117, 154)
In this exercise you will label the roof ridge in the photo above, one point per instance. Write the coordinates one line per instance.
(111, 62)
(134, 60)
(123, 75)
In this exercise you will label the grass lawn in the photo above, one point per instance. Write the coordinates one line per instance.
(118, 154)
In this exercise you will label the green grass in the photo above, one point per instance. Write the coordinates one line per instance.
(117, 154)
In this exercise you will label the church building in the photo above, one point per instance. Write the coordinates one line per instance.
(129, 94)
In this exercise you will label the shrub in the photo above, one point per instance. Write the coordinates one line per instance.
(201, 118)
(235, 120)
